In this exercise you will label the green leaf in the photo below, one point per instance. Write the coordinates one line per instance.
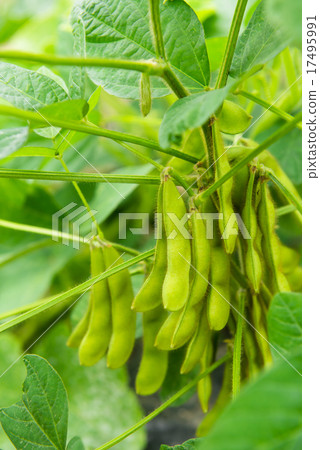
(66, 110)
(189, 113)
(75, 444)
(40, 420)
(120, 28)
(101, 404)
(277, 10)
(33, 151)
(12, 139)
(191, 444)
(29, 90)
(261, 41)
(285, 323)
(77, 76)
(266, 414)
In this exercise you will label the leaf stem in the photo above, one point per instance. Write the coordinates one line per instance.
(243, 162)
(268, 106)
(143, 157)
(79, 176)
(150, 67)
(154, 8)
(231, 44)
(236, 367)
(81, 288)
(290, 197)
(94, 130)
(172, 80)
(164, 405)
(55, 233)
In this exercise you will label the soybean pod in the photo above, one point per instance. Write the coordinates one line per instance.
(96, 340)
(123, 318)
(154, 362)
(270, 241)
(200, 258)
(204, 385)
(175, 289)
(150, 294)
(252, 258)
(197, 344)
(228, 224)
(260, 330)
(80, 329)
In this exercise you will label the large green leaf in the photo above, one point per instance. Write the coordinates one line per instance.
(266, 414)
(12, 139)
(101, 404)
(77, 76)
(285, 323)
(75, 444)
(121, 28)
(188, 113)
(69, 109)
(261, 41)
(40, 420)
(27, 89)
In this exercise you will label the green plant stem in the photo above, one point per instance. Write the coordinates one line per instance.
(141, 156)
(78, 176)
(164, 405)
(268, 106)
(289, 196)
(236, 367)
(231, 44)
(172, 80)
(81, 288)
(180, 181)
(150, 67)
(83, 199)
(253, 154)
(283, 210)
(55, 233)
(38, 118)
(154, 8)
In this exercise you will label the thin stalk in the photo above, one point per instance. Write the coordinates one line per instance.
(236, 367)
(268, 106)
(164, 405)
(81, 288)
(289, 196)
(283, 210)
(156, 29)
(231, 44)
(83, 199)
(94, 130)
(143, 157)
(57, 234)
(78, 176)
(150, 67)
(173, 81)
(254, 153)
(180, 181)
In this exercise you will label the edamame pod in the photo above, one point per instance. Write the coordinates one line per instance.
(270, 241)
(204, 385)
(233, 119)
(200, 258)
(154, 362)
(175, 289)
(197, 344)
(96, 340)
(123, 318)
(252, 258)
(219, 293)
(80, 330)
(260, 330)
(228, 224)
(150, 294)
(145, 94)
(164, 340)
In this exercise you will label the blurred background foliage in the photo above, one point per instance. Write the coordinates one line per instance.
(102, 403)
